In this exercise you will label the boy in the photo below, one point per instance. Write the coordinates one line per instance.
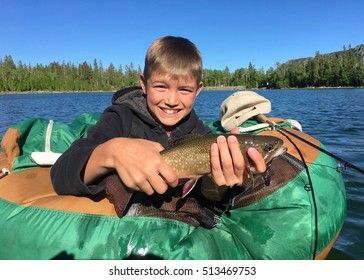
(142, 122)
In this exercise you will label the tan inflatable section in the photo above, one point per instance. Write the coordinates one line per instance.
(33, 187)
(10, 148)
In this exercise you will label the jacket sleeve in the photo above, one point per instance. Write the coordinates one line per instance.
(66, 173)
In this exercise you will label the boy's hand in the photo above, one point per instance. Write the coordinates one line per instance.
(227, 162)
(141, 167)
(137, 162)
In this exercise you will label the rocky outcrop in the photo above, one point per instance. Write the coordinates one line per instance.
(358, 51)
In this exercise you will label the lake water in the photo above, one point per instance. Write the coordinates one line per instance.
(333, 116)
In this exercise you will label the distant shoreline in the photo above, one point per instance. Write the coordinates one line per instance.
(237, 88)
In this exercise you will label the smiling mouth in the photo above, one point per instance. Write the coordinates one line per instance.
(170, 112)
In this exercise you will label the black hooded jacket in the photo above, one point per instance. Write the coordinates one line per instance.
(128, 116)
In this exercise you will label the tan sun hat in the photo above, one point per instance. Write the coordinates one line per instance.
(241, 106)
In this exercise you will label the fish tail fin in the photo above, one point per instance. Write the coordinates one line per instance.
(118, 193)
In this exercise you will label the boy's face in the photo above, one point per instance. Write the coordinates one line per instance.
(170, 99)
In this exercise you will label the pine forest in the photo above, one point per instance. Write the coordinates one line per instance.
(340, 69)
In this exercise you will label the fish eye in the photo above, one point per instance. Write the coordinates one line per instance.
(268, 147)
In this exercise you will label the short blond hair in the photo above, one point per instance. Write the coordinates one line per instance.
(175, 56)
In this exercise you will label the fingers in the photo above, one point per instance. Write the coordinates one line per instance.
(237, 157)
(227, 162)
(216, 170)
(235, 131)
(257, 159)
(228, 166)
(167, 174)
(152, 181)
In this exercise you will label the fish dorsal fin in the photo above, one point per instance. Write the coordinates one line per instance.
(185, 139)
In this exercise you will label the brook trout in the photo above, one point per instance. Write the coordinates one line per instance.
(190, 159)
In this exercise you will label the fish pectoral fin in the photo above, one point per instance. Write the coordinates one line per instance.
(248, 165)
(250, 175)
(188, 186)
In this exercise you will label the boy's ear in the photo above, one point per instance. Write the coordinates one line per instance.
(143, 83)
(199, 88)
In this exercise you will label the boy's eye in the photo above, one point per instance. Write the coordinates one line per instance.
(160, 87)
(186, 90)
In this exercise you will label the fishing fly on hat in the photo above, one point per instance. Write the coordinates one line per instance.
(241, 106)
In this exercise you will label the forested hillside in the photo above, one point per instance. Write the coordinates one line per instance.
(339, 69)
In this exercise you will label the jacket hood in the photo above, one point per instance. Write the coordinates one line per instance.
(135, 100)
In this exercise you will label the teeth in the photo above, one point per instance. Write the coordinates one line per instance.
(169, 112)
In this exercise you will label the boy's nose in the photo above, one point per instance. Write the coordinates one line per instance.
(172, 98)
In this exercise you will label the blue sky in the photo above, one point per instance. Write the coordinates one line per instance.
(228, 33)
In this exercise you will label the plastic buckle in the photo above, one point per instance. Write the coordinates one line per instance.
(341, 167)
